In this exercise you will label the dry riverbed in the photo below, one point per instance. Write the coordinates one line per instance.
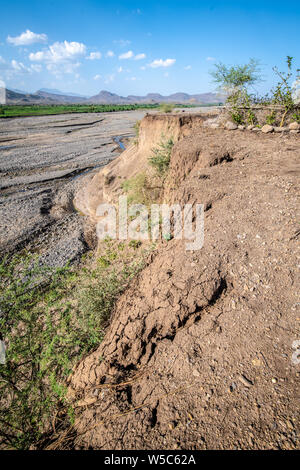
(43, 159)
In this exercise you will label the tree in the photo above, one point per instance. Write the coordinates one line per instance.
(236, 77)
(234, 81)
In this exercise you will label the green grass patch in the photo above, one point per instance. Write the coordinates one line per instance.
(161, 155)
(43, 110)
(47, 328)
(167, 107)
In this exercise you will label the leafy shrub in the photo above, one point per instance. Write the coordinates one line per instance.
(135, 244)
(166, 107)
(137, 128)
(296, 117)
(138, 189)
(47, 329)
(235, 81)
(283, 93)
(237, 117)
(271, 118)
(160, 160)
(236, 77)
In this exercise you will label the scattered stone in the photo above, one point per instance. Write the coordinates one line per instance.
(231, 126)
(87, 401)
(294, 126)
(241, 127)
(196, 373)
(274, 380)
(250, 127)
(294, 131)
(281, 129)
(214, 125)
(256, 129)
(267, 128)
(245, 381)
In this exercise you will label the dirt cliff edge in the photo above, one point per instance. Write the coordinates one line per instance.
(199, 351)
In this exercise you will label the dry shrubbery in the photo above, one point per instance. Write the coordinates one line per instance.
(282, 101)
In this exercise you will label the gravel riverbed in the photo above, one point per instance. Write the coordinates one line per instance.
(43, 159)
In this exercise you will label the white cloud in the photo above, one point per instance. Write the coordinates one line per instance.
(120, 69)
(188, 67)
(61, 68)
(126, 55)
(60, 57)
(36, 68)
(97, 77)
(18, 65)
(59, 52)
(162, 63)
(94, 56)
(110, 54)
(132, 79)
(140, 56)
(143, 67)
(210, 59)
(14, 68)
(109, 78)
(27, 38)
(123, 42)
(130, 55)
(2, 61)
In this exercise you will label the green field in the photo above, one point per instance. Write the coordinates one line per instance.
(7, 111)
(41, 110)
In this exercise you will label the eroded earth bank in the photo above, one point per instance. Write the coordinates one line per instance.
(199, 351)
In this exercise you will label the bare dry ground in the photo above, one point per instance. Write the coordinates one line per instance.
(198, 354)
(42, 161)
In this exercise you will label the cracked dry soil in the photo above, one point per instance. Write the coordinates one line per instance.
(198, 354)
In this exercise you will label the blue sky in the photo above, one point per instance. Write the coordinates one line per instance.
(136, 47)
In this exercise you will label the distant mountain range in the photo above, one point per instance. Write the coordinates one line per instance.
(52, 96)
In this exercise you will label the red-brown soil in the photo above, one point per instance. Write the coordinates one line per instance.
(201, 342)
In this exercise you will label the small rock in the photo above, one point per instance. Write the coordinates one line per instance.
(243, 379)
(87, 401)
(231, 126)
(267, 128)
(281, 129)
(196, 373)
(274, 380)
(294, 126)
(250, 127)
(256, 129)
(241, 127)
(294, 131)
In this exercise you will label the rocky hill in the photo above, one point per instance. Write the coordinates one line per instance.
(45, 96)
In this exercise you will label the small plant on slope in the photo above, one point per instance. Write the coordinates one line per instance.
(160, 159)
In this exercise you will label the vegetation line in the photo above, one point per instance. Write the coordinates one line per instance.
(7, 111)
(49, 319)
